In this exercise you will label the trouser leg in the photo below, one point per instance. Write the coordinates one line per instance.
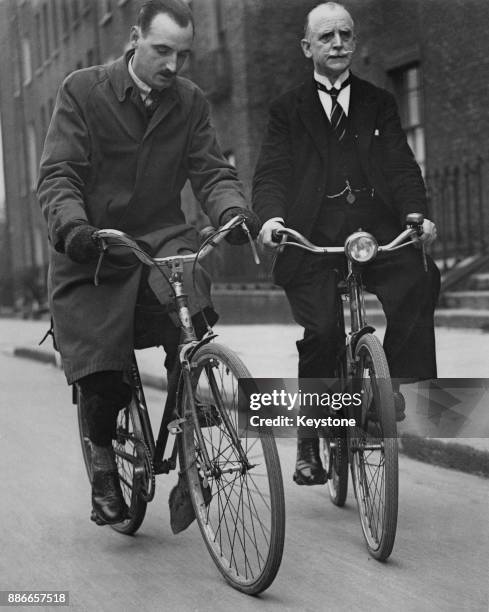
(104, 394)
(314, 306)
(408, 295)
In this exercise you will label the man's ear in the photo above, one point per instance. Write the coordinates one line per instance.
(306, 47)
(135, 36)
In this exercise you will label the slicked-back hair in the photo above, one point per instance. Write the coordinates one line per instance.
(178, 10)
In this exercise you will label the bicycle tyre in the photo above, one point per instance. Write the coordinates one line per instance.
(128, 433)
(248, 556)
(335, 451)
(374, 450)
(335, 447)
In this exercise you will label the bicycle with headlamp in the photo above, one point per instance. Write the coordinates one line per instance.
(370, 446)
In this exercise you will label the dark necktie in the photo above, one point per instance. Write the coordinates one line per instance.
(152, 102)
(338, 117)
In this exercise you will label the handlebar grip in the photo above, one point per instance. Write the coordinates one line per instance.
(414, 219)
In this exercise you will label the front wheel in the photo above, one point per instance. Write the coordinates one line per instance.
(131, 459)
(234, 477)
(374, 449)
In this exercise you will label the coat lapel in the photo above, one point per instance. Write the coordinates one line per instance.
(312, 114)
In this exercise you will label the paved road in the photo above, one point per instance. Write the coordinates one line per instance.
(440, 560)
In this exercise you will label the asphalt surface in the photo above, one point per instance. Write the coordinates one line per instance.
(439, 562)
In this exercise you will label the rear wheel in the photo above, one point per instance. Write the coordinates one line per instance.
(132, 460)
(235, 482)
(374, 449)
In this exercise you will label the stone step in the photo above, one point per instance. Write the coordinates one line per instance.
(260, 306)
(467, 299)
(479, 281)
(462, 317)
(265, 306)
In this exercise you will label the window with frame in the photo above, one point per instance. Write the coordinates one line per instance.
(407, 84)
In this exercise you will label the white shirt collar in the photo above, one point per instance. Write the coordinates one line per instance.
(327, 83)
(343, 96)
(144, 89)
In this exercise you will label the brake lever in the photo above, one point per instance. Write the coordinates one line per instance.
(252, 244)
(420, 244)
(423, 255)
(103, 248)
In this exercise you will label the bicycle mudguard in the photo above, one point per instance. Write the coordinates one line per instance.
(355, 337)
(188, 356)
(201, 342)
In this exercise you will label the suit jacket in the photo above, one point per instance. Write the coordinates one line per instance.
(290, 177)
(103, 163)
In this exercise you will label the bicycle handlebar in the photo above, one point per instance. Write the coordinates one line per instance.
(119, 238)
(413, 231)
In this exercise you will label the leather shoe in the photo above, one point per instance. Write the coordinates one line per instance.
(308, 468)
(107, 500)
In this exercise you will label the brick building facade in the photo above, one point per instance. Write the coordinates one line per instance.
(432, 55)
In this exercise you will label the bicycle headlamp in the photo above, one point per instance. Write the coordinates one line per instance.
(361, 247)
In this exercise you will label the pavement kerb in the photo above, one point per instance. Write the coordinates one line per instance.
(50, 357)
(452, 455)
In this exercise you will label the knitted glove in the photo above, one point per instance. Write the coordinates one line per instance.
(237, 235)
(80, 245)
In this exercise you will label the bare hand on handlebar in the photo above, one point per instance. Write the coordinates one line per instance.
(429, 232)
(268, 234)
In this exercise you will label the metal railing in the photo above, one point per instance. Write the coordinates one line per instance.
(458, 204)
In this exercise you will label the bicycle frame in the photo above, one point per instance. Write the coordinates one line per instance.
(170, 421)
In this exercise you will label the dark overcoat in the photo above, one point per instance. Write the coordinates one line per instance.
(290, 179)
(104, 164)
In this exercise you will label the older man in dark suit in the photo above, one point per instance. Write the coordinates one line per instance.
(335, 158)
(123, 140)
